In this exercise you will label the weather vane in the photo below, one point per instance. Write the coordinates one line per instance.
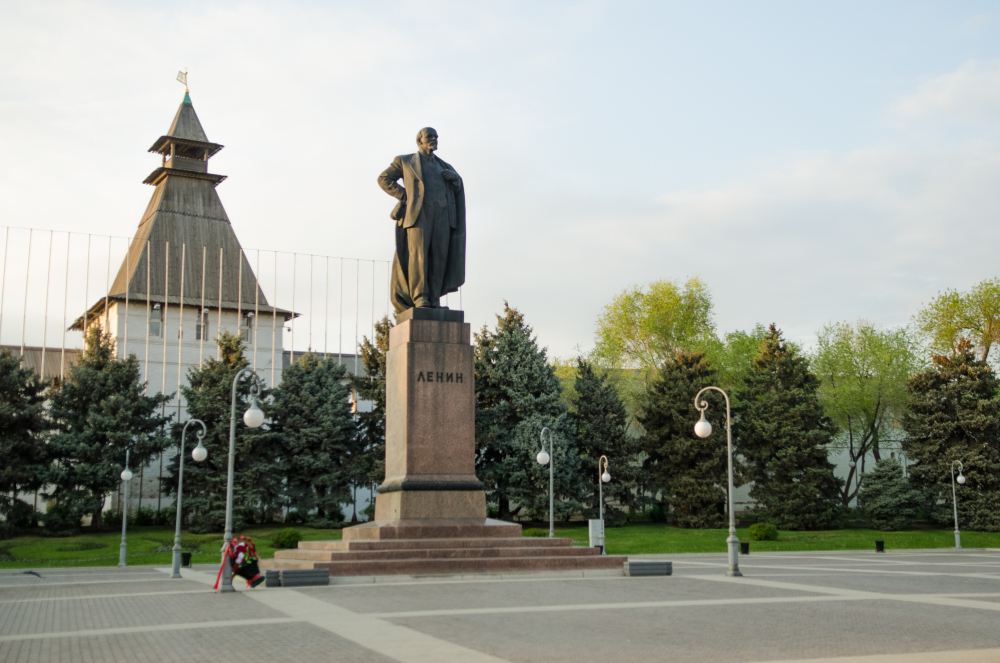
(182, 76)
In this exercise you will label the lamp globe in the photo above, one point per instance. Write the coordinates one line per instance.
(254, 417)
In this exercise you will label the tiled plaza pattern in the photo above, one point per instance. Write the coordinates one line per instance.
(858, 607)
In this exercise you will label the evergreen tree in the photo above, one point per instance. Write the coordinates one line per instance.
(782, 434)
(889, 500)
(952, 415)
(312, 420)
(368, 466)
(601, 423)
(23, 421)
(517, 394)
(98, 413)
(258, 480)
(691, 473)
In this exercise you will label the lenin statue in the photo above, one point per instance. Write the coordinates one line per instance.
(430, 226)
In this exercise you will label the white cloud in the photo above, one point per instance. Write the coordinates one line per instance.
(972, 92)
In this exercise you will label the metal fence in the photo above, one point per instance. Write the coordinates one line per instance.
(50, 278)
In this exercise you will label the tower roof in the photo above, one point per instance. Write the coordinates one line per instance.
(185, 215)
(186, 123)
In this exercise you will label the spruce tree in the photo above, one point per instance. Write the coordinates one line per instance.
(518, 394)
(782, 434)
(98, 413)
(690, 473)
(23, 422)
(601, 423)
(368, 466)
(258, 480)
(888, 499)
(312, 421)
(952, 415)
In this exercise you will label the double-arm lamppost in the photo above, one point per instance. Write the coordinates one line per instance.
(543, 459)
(200, 453)
(253, 418)
(954, 499)
(703, 429)
(127, 478)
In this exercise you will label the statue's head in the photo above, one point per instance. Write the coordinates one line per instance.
(427, 140)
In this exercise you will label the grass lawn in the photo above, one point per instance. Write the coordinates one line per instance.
(101, 549)
(650, 538)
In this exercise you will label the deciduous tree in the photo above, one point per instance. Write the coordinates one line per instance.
(953, 315)
(863, 371)
(642, 327)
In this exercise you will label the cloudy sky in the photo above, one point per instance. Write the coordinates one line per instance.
(812, 162)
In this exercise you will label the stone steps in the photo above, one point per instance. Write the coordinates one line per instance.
(425, 544)
(440, 566)
(433, 553)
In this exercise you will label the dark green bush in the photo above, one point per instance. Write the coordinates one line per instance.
(81, 546)
(286, 538)
(294, 518)
(657, 513)
(763, 532)
(61, 520)
(19, 516)
(888, 500)
(112, 518)
(144, 516)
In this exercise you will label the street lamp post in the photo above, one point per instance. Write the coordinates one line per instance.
(253, 418)
(200, 453)
(601, 480)
(126, 477)
(703, 429)
(954, 499)
(543, 459)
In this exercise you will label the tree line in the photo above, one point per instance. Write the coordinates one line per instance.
(864, 391)
(69, 440)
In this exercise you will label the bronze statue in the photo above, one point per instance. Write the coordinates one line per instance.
(430, 226)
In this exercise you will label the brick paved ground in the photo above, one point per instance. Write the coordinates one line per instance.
(914, 606)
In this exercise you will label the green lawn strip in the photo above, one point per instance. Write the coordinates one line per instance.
(659, 539)
(101, 549)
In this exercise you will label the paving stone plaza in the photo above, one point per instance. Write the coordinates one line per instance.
(920, 606)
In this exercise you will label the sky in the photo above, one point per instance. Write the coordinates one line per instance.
(811, 162)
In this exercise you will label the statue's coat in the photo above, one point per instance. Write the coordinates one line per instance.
(411, 196)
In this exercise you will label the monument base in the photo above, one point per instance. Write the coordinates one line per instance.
(441, 504)
(432, 528)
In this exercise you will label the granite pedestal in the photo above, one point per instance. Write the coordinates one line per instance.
(430, 512)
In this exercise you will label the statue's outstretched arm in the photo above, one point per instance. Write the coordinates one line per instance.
(390, 177)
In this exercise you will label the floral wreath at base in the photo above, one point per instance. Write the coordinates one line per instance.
(241, 555)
